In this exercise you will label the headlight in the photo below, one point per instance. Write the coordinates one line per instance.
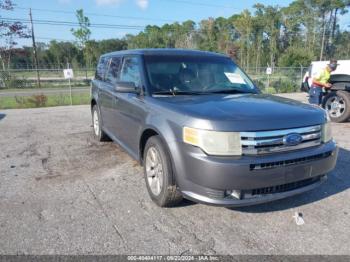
(326, 132)
(214, 143)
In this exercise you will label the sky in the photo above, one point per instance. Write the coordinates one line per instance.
(129, 12)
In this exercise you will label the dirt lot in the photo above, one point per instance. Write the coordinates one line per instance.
(63, 193)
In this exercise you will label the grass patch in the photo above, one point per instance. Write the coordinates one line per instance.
(38, 101)
(50, 73)
(9, 90)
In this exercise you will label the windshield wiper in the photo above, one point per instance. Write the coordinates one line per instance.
(229, 91)
(177, 92)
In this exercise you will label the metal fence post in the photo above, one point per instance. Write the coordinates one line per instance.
(301, 73)
(70, 87)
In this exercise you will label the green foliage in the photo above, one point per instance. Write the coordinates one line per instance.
(9, 32)
(52, 100)
(285, 86)
(82, 34)
(269, 90)
(294, 57)
(303, 31)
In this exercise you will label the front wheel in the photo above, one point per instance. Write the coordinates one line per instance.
(337, 104)
(159, 175)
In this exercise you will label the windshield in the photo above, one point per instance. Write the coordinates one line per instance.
(196, 75)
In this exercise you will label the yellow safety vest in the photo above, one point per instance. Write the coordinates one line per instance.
(323, 76)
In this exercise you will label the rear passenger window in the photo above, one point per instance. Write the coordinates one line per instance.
(113, 70)
(101, 68)
(131, 71)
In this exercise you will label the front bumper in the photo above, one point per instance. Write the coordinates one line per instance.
(259, 179)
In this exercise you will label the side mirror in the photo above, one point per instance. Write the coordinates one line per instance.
(126, 87)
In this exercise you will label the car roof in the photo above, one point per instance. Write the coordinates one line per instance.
(164, 51)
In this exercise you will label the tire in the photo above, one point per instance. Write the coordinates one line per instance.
(99, 134)
(159, 177)
(337, 104)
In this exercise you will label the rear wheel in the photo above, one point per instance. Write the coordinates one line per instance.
(96, 124)
(337, 104)
(159, 177)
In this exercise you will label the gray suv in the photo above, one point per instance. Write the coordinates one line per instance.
(203, 131)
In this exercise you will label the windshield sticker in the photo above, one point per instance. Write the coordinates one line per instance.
(235, 78)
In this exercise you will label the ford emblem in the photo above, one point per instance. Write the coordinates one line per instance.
(292, 139)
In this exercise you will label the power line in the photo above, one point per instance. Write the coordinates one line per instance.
(64, 23)
(98, 15)
(105, 26)
(201, 4)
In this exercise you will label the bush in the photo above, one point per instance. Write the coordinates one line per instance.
(260, 84)
(38, 100)
(284, 86)
(269, 90)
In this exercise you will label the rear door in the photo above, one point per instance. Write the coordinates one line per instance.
(99, 86)
(109, 95)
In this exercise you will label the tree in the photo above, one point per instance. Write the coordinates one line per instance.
(295, 56)
(9, 31)
(61, 53)
(243, 23)
(208, 33)
(304, 30)
(82, 34)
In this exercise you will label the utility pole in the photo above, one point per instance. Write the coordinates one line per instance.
(34, 49)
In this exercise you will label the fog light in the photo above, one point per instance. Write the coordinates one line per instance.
(234, 193)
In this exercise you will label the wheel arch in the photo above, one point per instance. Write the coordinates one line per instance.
(146, 134)
(93, 103)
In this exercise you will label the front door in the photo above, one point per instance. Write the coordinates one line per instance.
(129, 108)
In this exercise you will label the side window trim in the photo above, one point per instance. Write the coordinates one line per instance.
(97, 73)
(108, 63)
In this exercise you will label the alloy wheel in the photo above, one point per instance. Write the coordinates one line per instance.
(154, 171)
(335, 106)
(96, 123)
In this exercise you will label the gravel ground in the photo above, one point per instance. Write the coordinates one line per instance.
(63, 193)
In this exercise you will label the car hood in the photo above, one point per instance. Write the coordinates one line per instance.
(243, 112)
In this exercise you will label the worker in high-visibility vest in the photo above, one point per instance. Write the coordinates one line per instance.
(320, 82)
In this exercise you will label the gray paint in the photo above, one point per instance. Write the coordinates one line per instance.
(126, 116)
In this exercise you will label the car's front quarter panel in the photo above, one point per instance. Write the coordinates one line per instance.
(166, 122)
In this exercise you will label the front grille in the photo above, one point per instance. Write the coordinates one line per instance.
(282, 188)
(264, 142)
(289, 162)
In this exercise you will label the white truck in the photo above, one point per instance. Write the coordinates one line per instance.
(337, 99)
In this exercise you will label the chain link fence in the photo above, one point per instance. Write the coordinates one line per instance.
(27, 78)
(19, 87)
(281, 79)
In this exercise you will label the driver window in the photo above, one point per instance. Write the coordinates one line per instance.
(131, 71)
